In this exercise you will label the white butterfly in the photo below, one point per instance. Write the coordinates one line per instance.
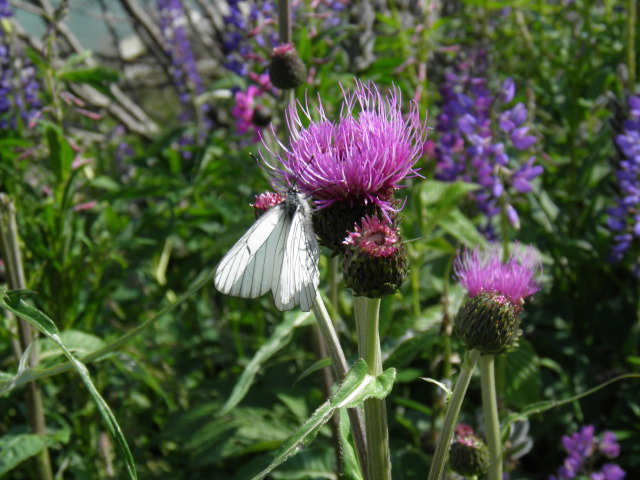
(278, 253)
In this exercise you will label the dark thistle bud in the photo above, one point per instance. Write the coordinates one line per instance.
(266, 201)
(375, 261)
(287, 69)
(333, 223)
(469, 455)
(488, 321)
(261, 116)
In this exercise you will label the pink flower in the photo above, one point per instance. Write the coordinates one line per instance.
(360, 158)
(481, 271)
(374, 238)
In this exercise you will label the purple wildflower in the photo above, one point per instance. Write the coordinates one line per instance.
(178, 48)
(360, 159)
(474, 148)
(245, 23)
(375, 238)
(249, 114)
(480, 271)
(582, 449)
(624, 218)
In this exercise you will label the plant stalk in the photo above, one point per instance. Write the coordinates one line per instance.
(490, 413)
(340, 367)
(10, 249)
(632, 14)
(367, 313)
(451, 417)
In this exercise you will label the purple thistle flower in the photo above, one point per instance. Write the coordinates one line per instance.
(624, 218)
(480, 271)
(361, 158)
(475, 149)
(374, 238)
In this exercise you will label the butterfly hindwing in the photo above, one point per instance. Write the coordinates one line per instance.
(299, 277)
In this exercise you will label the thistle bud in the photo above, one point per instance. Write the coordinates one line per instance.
(334, 222)
(488, 322)
(261, 116)
(469, 455)
(375, 261)
(287, 70)
(266, 201)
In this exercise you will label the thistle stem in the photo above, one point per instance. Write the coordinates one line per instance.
(11, 254)
(367, 315)
(451, 417)
(340, 367)
(490, 412)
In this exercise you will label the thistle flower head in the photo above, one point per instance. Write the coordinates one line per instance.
(352, 166)
(375, 261)
(483, 271)
(362, 157)
(489, 321)
(374, 237)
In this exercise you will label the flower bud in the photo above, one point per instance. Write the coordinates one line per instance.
(333, 223)
(488, 322)
(266, 201)
(287, 70)
(375, 261)
(469, 456)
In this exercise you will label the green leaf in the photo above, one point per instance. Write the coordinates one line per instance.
(350, 465)
(30, 374)
(523, 383)
(281, 336)
(98, 77)
(357, 387)
(60, 153)
(16, 448)
(440, 198)
(12, 302)
(462, 229)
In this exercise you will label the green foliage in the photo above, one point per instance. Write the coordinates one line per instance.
(120, 249)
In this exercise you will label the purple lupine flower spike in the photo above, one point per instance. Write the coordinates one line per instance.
(473, 148)
(624, 217)
(582, 448)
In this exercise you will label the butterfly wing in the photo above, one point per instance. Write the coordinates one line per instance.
(247, 270)
(299, 277)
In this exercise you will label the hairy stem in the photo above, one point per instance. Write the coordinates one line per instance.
(367, 312)
(490, 412)
(451, 417)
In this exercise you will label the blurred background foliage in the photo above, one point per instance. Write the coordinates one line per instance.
(131, 177)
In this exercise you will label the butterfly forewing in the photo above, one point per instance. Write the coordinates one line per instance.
(246, 270)
(278, 253)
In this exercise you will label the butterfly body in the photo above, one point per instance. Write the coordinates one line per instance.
(279, 253)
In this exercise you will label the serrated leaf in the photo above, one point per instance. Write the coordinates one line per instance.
(357, 387)
(12, 302)
(281, 336)
(350, 465)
